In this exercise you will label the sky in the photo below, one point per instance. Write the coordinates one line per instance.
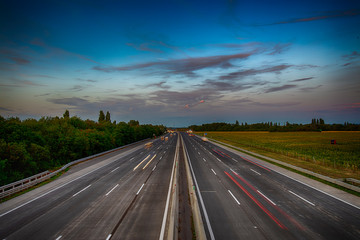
(179, 63)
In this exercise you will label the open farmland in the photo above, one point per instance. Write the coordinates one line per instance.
(309, 150)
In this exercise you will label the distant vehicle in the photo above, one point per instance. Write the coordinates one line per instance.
(162, 138)
(166, 138)
(204, 139)
(148, 145)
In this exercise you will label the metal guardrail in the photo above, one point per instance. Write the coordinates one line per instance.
(25, 183)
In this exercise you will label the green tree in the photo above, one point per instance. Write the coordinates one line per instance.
(101, 116)
(133, 123)
(66, 114)
(107, 118)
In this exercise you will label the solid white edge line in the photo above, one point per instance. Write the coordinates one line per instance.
(328, 194)
(213, 171)
(81, 190)
(58, 238)
(266, 197)
(200, 197)
(162, 231)
(108, 237)
(255, 171)
(234, 197)
(302, 198)
(140, 189)
(115, 169)
(112, 189)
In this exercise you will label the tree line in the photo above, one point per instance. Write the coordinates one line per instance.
(32, 146)
(315, 125)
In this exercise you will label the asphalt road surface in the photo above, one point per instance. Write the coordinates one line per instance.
(241, 199)
(123, 195)
(119, 195)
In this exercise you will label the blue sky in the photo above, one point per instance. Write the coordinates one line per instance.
(181, 62)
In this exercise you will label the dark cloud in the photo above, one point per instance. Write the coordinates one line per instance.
(185, 66)
(240, 74)
(249, 45)
(177, 98)
(21, 83)
(147, 47)
(120, 106)
(308, 89)
(269, 48)
(42, 95)
(5, 109)
(44, 76)
(14, 56)
(351, 58)
(224, 85)
(276, 105)
(279, 48)
(60, 51)
(155, 46)
(236, 102)
(77, 88)
(19, 60)
(87, 80)
(302, 79)
(281, 88)
(353, 106)
(158, 85)
(336, 14)
(74, 101)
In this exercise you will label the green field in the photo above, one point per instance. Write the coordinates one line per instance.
(309, 150)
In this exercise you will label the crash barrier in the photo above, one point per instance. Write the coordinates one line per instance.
(20, 185)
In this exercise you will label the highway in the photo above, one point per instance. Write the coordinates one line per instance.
(242, 199)
(119, 195)
(124, 195)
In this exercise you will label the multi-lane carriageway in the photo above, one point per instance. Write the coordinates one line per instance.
(121, 195)
(243, 199)
(125, 195)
